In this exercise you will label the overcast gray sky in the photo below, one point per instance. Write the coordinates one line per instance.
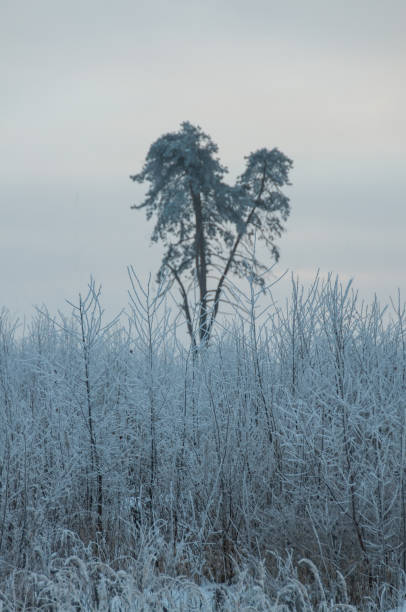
(88, 85)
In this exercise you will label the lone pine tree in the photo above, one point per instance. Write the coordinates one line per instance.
(205, 224)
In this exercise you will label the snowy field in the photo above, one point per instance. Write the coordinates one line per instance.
(136, 474)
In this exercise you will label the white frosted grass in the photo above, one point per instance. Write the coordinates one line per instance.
(92, 585)
(136, 472)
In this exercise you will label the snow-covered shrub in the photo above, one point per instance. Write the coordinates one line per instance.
(132, 467)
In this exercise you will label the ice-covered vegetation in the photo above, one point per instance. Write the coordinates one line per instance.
(137, 474)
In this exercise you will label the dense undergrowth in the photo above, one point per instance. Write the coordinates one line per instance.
(134, 472)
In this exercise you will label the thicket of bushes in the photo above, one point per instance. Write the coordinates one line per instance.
(285, 436)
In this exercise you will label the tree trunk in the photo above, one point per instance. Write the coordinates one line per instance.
(201, 265)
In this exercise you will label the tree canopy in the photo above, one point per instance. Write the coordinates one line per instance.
(207, 227)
